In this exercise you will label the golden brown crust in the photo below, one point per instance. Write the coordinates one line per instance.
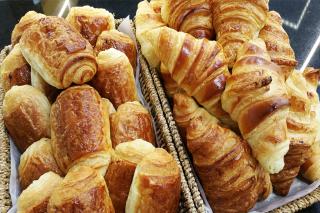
(15, 71)
(78, 126)
(82, 190)
(35, 161)
(26, 115)
(156, 184)
(90, 22)
(170, 85)
(119, 41)
(58, 52)
(114, 79)
(131, 121)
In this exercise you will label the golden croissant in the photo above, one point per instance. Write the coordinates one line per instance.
(256, 97)
(169, 84)
(197, 65)
(189, 16)
(278, 43)
(232, 179)
(301, 133)
(236, 22)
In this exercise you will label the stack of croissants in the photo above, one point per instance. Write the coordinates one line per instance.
(248, 118)
(72, 109)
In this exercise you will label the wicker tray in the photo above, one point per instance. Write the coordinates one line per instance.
(293, 206)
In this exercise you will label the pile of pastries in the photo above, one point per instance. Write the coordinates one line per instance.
(72, 109)
(249, 119)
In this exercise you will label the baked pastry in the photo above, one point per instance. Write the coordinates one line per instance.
(256, 97)
(58, 52)
(90, 21)
(34, 199)
(119, 41)
(197, 65)
(157, 5)
(146, 20)
(121, 169)
(35, 161)
(169, 84)
(236, 22)
(26, 114)
(38, 82)
(311, 169)
(114, 79)
(278, 43)
(25, 22)
(15, 71)
(300, 123)
(109, 106)
(156, 184)
(232, 179)
(82, 190)
(80, 132)
(189, 16)
(131, 121)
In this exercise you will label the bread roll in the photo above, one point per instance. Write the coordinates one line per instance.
(156, 184)
(114, 79)
(34, 199)
(82, 190)
(26, 113)
(120, 41)
(80, 129)
(58, 52)
(14, 69)
(90, 22)
(131, 121)
(109, 105)
(35, 161)
(25, 22)
(120, 172)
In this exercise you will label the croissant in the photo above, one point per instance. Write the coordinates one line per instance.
(157, 5)
(169, 84)
(300, 125)
(90, 22)
(58, 52)
(80, 131)
(82, 190)
(114, 79)
(121, 169)
(25, 22)
(278, 43)
(236, 22)
(189, 16)
(146, 20)
(119, 41)
(156, 184)
(256, 97)
(197, 65)
(232, 179)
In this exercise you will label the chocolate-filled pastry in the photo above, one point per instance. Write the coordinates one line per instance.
(90, 22)
(278, 43)
(25, 22)
(82, 190)
(15, 71)
(114, 79)
(156, 184)
(34, 199)
(256, 97)
(35, 161)
(58, 52)
(131, 121)
(121, 170)
(26, 113)
(80, 132)
(189, 16)
(119, 41)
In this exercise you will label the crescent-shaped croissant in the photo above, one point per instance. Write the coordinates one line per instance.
(236, 22)
(256, 97)
(232, 179)
(189, 16)
(278, 43)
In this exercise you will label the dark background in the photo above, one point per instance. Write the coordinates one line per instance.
(301, 21)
